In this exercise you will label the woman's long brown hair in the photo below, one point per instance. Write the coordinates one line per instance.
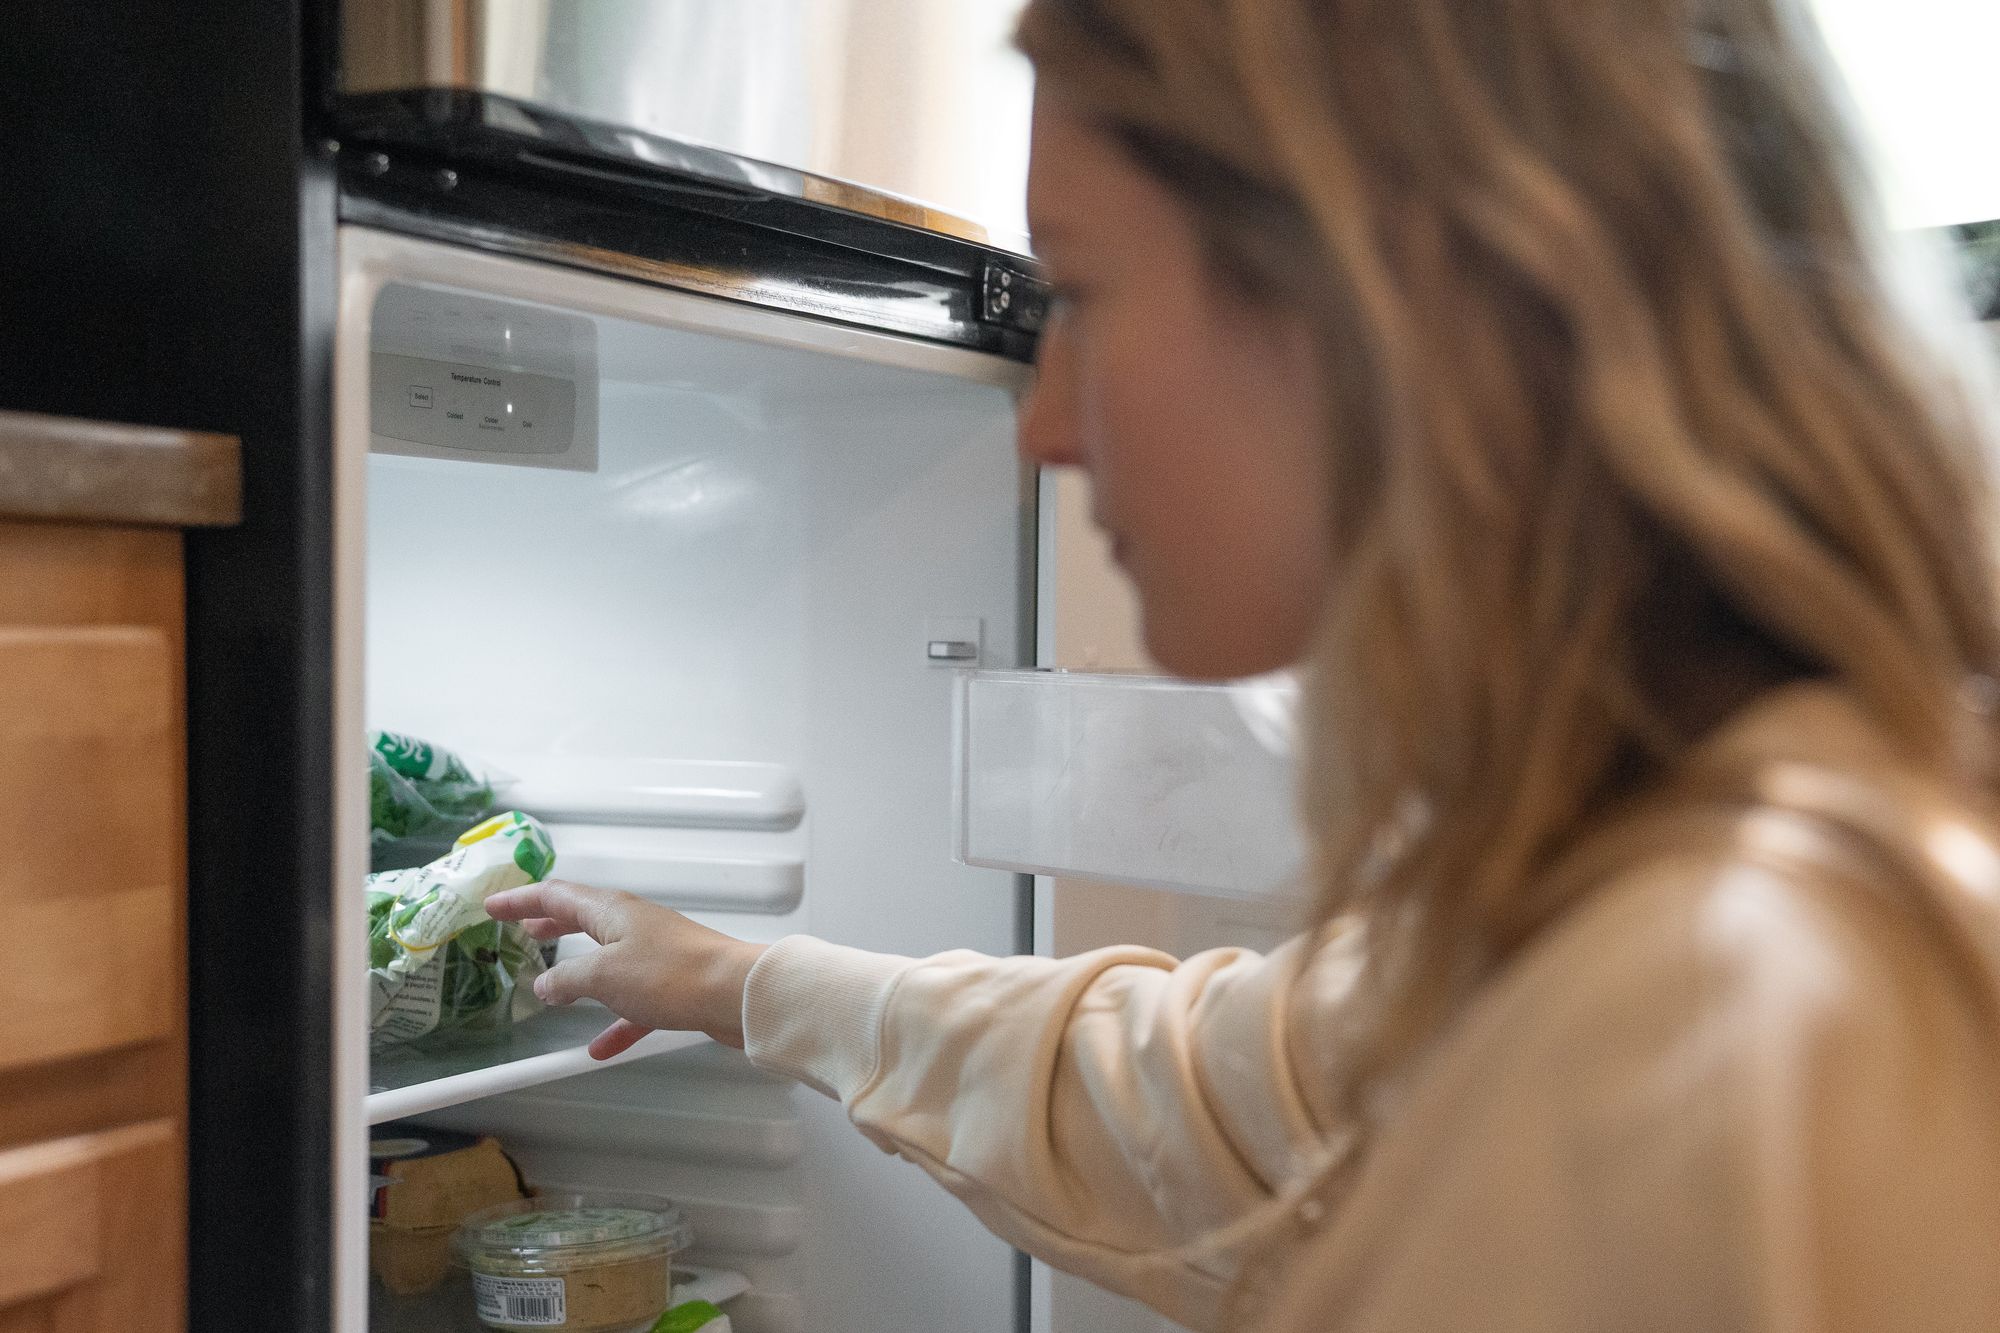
(1626, 425)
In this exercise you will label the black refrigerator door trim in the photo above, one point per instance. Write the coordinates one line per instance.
(472, 123)
(479, 170)
(167, 256)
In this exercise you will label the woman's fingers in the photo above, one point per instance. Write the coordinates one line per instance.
(535, 902)
(570, 980)
(544, 928)
(566, 907)
(617, 1039)
(657, 969)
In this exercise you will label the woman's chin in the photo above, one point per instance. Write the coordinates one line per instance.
(1210, 652)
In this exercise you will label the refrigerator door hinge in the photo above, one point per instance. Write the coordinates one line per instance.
(1012, 297)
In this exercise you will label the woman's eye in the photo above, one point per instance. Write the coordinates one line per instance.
(1065, 301)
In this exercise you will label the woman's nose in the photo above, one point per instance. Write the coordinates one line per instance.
(1048, 433)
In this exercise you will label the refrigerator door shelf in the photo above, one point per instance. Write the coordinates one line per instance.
(1130, 779)
(551, 1045)
(668, 793)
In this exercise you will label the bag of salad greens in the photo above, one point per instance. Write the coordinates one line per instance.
(420, 790)
(437, 963)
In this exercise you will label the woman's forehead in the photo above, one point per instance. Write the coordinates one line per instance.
(1078, 179)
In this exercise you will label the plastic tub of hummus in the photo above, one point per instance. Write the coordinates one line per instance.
(582, 1261)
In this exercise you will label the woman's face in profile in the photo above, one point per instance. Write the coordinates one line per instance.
(1198, 415)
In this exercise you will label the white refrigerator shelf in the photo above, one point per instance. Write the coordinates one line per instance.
(406, 1081)
(666, 793)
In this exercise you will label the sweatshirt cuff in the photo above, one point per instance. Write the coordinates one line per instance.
(813, 1011)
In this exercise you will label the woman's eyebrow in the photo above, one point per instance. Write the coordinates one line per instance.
(1051, 235)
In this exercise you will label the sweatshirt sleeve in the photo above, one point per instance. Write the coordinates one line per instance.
(1112, 1113)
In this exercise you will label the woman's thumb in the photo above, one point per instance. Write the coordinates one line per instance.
(570, 980)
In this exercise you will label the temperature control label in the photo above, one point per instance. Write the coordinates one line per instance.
(451, 410)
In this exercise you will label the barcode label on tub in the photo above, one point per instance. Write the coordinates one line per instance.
(524, 1302)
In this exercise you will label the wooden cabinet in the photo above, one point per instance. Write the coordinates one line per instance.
(93, 1230)
(93, 874)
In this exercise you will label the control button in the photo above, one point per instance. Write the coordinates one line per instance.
(420, 395)
(527, 408)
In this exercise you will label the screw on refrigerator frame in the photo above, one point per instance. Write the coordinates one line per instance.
(377, 164)
(445, 178)
(330, 147)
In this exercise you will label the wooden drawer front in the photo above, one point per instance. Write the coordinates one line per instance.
(85, 574)
(91, 1230)
(90, 840)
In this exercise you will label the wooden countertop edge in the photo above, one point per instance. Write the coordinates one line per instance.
(64, 468)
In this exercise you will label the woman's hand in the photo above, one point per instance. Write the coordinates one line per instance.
(657, 969)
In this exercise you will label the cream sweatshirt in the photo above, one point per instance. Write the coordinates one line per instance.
(1744, 1085)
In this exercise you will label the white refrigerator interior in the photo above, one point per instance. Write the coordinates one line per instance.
(691, 607)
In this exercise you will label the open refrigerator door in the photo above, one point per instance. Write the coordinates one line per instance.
(1151, 811)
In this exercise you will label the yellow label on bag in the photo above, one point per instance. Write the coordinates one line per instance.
(486, 830)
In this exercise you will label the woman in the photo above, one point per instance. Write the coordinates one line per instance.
(1519, 368)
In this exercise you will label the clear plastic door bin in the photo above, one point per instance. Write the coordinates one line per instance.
(1133, 779)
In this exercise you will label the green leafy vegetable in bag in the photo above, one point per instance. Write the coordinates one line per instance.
(417, 789)
(437, 962)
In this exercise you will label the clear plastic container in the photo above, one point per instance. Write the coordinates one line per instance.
(582, 1261)
(1134, 779)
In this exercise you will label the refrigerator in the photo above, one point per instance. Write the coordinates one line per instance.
(669, 469)
(696, 575)
(649, 437)
(743, 605)
(677, 483)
